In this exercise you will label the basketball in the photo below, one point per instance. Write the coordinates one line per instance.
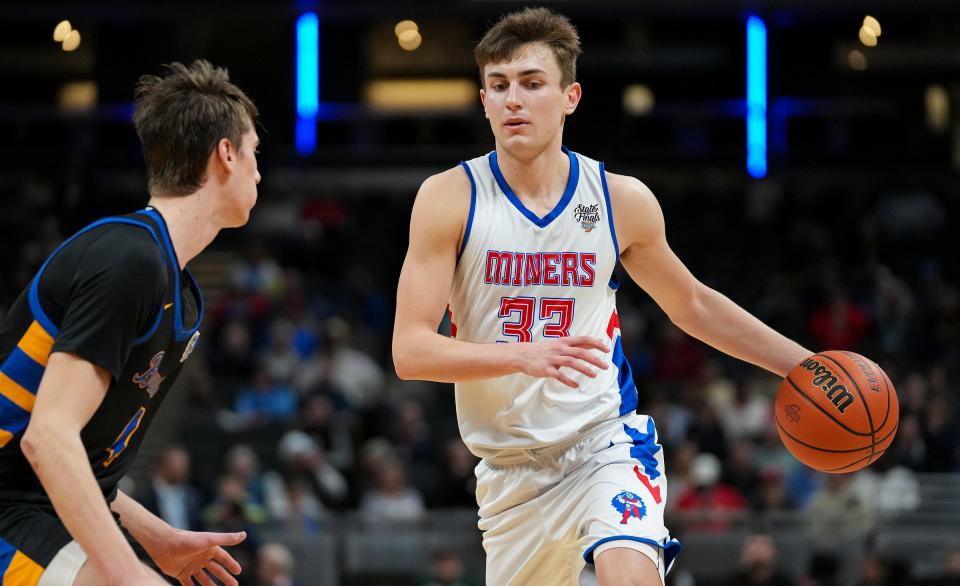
(837, 411)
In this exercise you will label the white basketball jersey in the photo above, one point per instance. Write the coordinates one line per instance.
(523, 278)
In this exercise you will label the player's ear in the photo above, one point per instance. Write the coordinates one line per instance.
(483, 100)
(226, 154)
(573, 92)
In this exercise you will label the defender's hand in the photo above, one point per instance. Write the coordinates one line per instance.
(190, 556)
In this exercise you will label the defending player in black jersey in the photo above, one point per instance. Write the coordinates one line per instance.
(91, 347)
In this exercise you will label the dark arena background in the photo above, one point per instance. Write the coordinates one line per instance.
(806, 158)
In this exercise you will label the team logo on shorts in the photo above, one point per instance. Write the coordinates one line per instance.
(588, 216)
(150, 379)
(629, 505)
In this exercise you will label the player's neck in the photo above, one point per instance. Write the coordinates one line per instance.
(539, 179)
(192, 226)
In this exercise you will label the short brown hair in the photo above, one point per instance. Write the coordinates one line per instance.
(531, 25)
(181, 117)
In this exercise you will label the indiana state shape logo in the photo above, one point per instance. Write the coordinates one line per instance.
(629, 505)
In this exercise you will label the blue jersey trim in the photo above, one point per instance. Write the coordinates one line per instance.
(473, 207)
(543, 222)
(606, 197)
(670, 549)
(628, 388)
(34, 295)
(180, 333)
(153, 328)
(200, 303)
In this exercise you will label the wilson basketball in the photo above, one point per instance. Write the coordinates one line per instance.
(837, 411)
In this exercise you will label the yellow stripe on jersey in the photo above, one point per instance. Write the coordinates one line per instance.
(18, 395)
(5, 437)
(22, 571)
(36, 343)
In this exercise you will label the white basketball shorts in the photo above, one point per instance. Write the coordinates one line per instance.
(544, 513)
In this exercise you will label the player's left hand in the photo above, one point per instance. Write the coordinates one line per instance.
(190, 555)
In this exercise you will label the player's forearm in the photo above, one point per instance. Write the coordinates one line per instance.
(426, 355)
(148, 529)
(726, 326)
(60, 462)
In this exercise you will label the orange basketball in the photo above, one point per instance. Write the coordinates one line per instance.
(837, 411)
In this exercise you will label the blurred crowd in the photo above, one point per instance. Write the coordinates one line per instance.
(293, 414)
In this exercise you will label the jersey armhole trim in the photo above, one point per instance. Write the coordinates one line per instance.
(614, 280)
(606, 197)
(34, 296)
(473, 207)
(180, 333)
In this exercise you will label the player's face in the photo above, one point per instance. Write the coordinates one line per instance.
(242, 194)
(524, 100)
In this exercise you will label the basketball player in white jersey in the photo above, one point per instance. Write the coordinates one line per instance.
(521, 244)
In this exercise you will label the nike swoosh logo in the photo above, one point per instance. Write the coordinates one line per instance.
(167, 306)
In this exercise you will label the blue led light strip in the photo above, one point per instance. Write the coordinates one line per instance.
(756, 97)
(308, 81)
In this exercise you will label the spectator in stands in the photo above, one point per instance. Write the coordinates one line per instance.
(232, 358)
(352, 372)
(748, 414)
(909, 449)
(265, 402)
(391, 499)
(717, 388)
(839, 324)
(244, 466)
(457, 486)
(677, 357)
(417, 445)
(894, 304)
(233, 510)
(674, 418)
(331, 430)
(914, 392)
(257, 272)
(307, 486)
(740, 469)
(772, 494)
(446, 569)
(281, 359)
(838, 514)
(940, 436)
(888, 490)
(275, 565)
(707, 431)
(759, 564)
(169, 494)
(713, 502)
(680, 463)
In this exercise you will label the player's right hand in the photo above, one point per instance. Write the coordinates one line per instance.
(545, 359)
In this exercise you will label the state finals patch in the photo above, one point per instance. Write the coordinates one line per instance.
(587, 216)
(629, 505)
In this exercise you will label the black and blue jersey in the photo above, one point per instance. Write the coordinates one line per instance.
(114, 295)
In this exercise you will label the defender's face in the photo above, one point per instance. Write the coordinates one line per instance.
(524, 100)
